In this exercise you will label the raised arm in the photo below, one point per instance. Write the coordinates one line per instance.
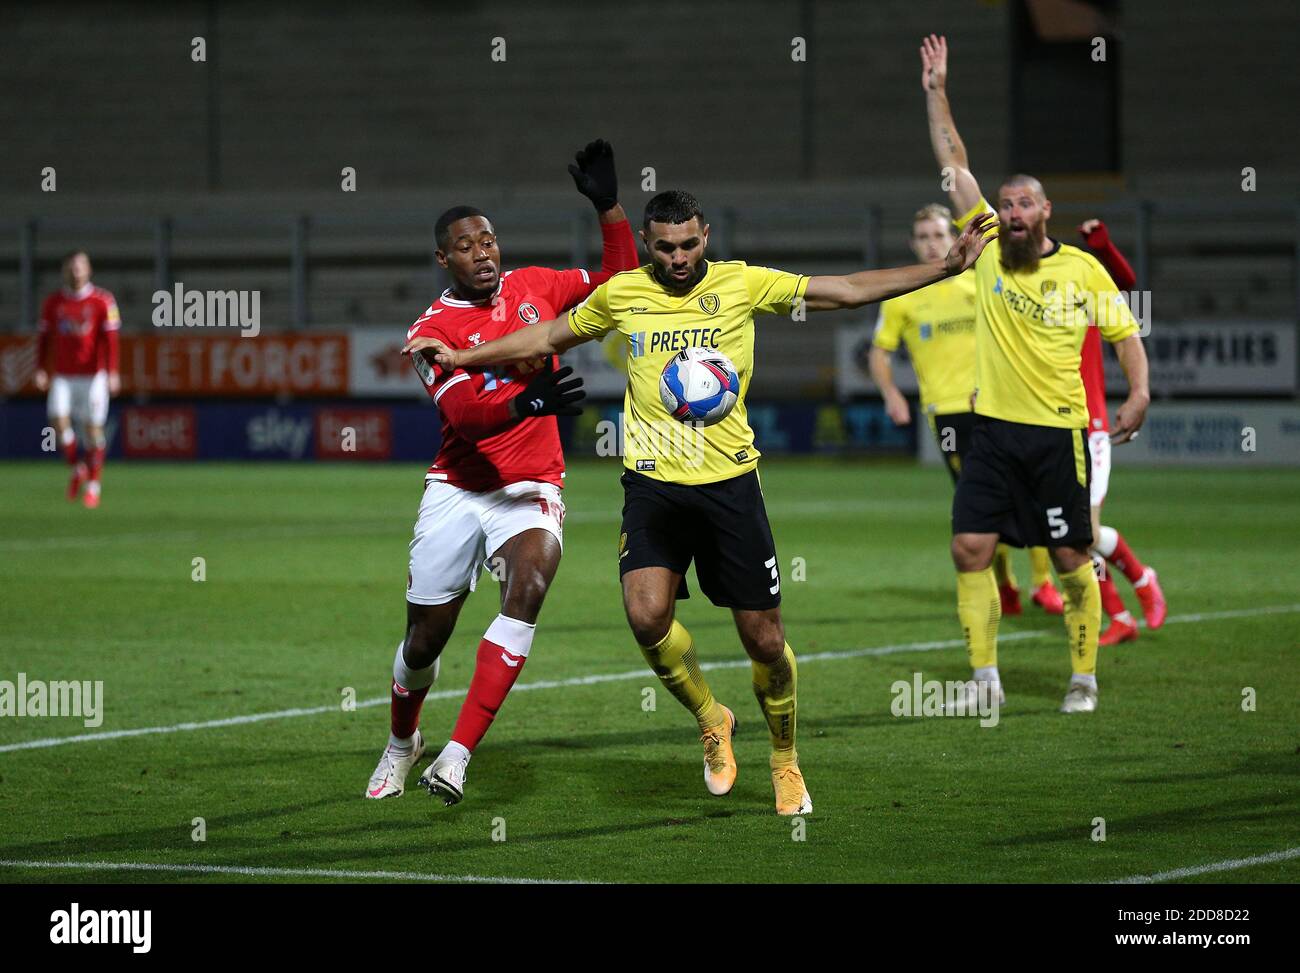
(595, 177)
(949, 150)
(1097, 238)
(869, 286)
(535, 341)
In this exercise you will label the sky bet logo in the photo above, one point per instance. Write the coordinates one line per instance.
(672, 341)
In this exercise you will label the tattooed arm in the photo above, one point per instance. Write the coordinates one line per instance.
(949, 150)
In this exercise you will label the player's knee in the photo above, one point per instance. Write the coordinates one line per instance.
(971, 553)
(420, 649)
(766, 646)
(649, 622)
(1067, 559)
(524, 594)
(425, 638)
(763, 636)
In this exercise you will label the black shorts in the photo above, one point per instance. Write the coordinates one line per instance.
(1027, 483)
(952, 432)
(721, 526)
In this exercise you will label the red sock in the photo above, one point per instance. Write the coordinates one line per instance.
(1111, 603)
(70, 451)
(495, 671)
(96, 463)
(1124, 559)
(404, 710)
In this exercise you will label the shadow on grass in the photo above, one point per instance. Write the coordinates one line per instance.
(1223, 818)
(370, 844)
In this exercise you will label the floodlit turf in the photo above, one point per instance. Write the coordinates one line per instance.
(303, 598)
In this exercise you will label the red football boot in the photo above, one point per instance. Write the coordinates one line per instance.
(1048, 599)
(1010, 596)
(1153, 600)
(1118, 631)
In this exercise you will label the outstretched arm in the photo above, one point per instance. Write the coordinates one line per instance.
(869, 286)
(535, 341)
(949, 150)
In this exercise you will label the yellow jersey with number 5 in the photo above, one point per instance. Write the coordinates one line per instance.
(1029, 329)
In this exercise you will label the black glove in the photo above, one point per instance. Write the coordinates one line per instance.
(549, 395)
(594, 175)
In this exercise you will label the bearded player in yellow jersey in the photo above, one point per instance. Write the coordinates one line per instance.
(691, 492)
(1026, 476)
(937, 324)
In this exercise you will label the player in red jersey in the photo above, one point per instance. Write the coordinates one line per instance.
(1108, 544)
(82, 322)
(494, 489)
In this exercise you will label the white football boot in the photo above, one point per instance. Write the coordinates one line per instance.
(1080, 698)
(967, 702)
(445, 778)
(389, 778)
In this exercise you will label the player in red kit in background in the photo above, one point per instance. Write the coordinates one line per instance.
(82, 322)
(494, 489)
(1108, 545)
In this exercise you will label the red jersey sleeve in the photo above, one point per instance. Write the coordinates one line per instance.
(456, 393)
(434, 377)
(469, 415)
(568, 288)
(108, 333)
(1100, 244)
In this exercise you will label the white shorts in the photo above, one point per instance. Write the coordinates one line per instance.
(84, 398)
(1099, 447)
(457, 530)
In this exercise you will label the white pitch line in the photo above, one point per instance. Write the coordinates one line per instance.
(596, 679)
(591, 680)
(260, 872)
(1223, 866)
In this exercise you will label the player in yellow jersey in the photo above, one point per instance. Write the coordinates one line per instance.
(1025, 478)
(937, 324)
(690, 492)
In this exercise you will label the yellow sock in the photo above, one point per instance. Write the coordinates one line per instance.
(980, 609)
(1082, 597)
(1040, 566)
(1002, 566)
(775, 686)
(673, 660)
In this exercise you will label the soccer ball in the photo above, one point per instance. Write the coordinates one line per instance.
(699, 385)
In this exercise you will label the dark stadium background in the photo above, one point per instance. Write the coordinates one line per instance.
(226, 174)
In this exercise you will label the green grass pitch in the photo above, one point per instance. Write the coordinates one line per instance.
(303, 598)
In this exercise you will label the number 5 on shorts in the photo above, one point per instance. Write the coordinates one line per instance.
(1059, 527)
